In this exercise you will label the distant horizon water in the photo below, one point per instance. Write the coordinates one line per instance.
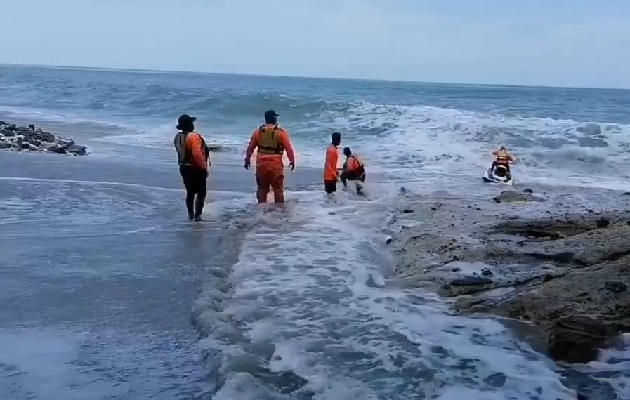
(283, 76)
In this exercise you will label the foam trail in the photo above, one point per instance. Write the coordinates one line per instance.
(314, 318)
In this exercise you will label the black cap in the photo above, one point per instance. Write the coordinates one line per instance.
(271, 114)
(184, 120)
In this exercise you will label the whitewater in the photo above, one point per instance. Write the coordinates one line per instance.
(293, 303)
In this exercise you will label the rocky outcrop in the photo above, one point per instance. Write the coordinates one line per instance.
(30, 138)
(583, 300)
(567, 274)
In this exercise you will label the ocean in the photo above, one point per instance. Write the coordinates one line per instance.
(108, 292)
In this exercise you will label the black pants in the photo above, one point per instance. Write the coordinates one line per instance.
(353, 176)
(330, 186)
(195, 183)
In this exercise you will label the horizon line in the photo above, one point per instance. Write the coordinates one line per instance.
(260, 75)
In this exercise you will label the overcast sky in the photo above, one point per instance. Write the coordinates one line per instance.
(545, 42)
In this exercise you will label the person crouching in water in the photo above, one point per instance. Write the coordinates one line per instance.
(353, 170)
(271, 141)
(331, 173)
(503, 158)
(193, 158)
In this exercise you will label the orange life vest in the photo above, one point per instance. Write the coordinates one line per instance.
(503, 157)
(269, 141)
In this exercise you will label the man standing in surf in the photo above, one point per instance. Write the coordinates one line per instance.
(193, 158)
(271, 142)
(331, 173)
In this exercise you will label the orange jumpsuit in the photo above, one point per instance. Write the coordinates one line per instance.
(331, 174)
(271, 142)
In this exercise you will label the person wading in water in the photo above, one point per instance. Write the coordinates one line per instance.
(193, 157)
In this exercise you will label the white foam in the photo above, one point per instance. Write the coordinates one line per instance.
(305, 284)
(432, 140)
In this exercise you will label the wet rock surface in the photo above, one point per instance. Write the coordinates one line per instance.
(509, 196)
(566, 272)
(31, 138)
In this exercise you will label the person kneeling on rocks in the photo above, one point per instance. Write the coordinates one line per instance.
(193, 157)
(353, 170)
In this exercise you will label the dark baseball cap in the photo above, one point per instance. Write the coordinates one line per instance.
(271, 113)
(185, 118)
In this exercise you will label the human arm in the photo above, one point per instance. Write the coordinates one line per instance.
(286, 143)
(253, 143)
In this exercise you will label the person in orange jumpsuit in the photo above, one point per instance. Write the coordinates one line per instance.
(271, 142)
(331, 173)
(353, 170)
(193, 157)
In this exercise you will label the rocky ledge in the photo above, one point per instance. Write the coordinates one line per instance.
(566, 273)
(30, 138)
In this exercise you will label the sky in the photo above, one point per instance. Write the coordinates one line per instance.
(578, 43)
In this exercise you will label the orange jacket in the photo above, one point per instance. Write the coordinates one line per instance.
(330, 166)
(353, 163)
(283, 140)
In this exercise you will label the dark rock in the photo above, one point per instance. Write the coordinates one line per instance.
(625, 194)
(528, 191)
(57, 150)
(590, 129)
(456, 269)
(388, 240)
(5, 145)
(486, 272)
(407, 211)
(8, 133)
(581, 396)
(46, 137)
(215, 148)
(496, 380)
(470, 281)
(31, 127)
(602, 222)
(615, 286)
(513, 196)
(575, 338)
(25, 145)
(77, 150)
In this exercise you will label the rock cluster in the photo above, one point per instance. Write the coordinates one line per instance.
(29, 138)
(568, 274)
